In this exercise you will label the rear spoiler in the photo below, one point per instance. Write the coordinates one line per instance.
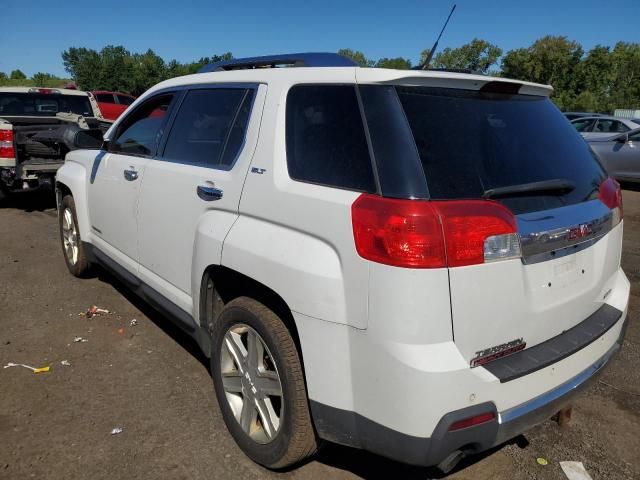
(445, 79)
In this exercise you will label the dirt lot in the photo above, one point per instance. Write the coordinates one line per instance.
(150, 380)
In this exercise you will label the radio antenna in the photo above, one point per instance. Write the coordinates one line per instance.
(426, 63)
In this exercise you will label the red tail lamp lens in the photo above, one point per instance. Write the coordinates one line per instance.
(611, 194)
(429, 234)
(403, 233)
(6, 144)
(468, 223)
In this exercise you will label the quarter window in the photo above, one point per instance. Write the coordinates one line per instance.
(210, 126)
(125, 100)
(141, 130)
(326, 142)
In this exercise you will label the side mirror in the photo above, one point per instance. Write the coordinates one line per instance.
(624, 138)
(90, 139)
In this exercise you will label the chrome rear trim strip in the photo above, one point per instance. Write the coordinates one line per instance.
(562, 231)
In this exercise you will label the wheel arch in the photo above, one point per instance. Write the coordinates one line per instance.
(221, 284)
(70, 180)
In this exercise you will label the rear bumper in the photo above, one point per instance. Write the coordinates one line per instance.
(352, 429)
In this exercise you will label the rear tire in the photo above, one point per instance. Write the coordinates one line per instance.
(277, 432)
(72, 246)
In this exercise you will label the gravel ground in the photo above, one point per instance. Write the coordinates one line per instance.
(150, 380)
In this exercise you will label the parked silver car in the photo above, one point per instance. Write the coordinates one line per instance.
(603, 127)
(619, 154)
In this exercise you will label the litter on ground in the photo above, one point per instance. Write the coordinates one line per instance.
(94, 311)
(575, 471)
(33, 369)
(542, 461)
(116, 431)
(66, 363)
(133, 322)
(79, 339)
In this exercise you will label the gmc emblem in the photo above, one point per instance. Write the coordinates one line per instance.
(581, 231)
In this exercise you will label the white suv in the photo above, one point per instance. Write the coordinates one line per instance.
(422, 264)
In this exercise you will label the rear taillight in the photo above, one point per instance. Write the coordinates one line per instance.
(611, 196)
(7, 149)
(478, 231)
(433, 234)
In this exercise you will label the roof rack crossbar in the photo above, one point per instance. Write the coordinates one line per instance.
(321, 59)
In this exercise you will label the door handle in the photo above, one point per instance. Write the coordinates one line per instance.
(131, 174)
(209, 194)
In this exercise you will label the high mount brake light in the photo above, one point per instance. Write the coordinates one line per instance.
(7, 150)
(433, 234)
(44, 90)
(611, 195)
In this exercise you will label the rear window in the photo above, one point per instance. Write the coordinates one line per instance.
(43, 104)
(326, 141)
(471, 141)
(105, 98)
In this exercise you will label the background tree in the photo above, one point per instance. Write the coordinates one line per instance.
(356, 56)
(41, 79)
(625, 82)
(477, 56)
(148, 69)
(398, 63)
(551, 60)
(17, 75)
(84, 66)
(597, 77)
(3, 76)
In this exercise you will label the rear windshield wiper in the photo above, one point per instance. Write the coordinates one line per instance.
(557, 185)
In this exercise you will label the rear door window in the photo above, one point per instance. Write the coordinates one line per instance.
(326, 141)
(140, 131)
(209, 127)
(471, 141)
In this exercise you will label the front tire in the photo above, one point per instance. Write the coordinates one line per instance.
(259, 384)
(72, 246)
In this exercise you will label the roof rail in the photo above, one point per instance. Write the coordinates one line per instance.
(320, 59)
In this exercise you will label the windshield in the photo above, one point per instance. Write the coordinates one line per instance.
(470, 142)
(43, 104)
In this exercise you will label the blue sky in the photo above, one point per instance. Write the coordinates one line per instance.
(35, 32)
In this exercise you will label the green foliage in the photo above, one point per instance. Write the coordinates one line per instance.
(116, 69)
(17, 75)
(3, 76)
(398, 63)
(477, 56)
(601, 80)
(356, 56)
(552, 60)
(41, 79)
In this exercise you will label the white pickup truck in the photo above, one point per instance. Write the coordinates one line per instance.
(37, 130)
